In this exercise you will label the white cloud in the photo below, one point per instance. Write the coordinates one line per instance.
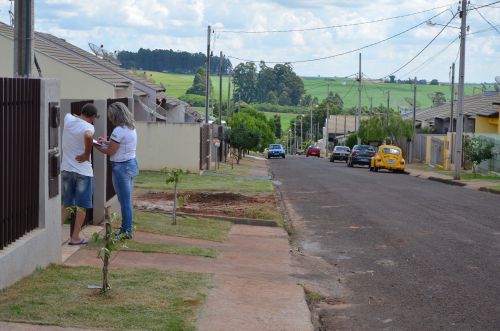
(181, 24)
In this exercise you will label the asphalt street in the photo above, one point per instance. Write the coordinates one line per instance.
(408, 253)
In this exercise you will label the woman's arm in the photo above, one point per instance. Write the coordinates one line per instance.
(109, 149)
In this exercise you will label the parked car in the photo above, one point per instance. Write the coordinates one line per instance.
(361, 155)
(313, 150)
(340, 153)
(275, 150)
(388, 157)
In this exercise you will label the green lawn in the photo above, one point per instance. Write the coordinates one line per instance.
(210, 181)
(140, 299)
(188, 227)
(469, 176)
(135, 246)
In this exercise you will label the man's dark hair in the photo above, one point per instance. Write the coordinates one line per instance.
(89, 110)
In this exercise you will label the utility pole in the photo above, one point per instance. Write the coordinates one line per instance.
(414, 117)
(295, 135)
(327, 119)
(388, 107)
(371, 105)
(345, 121)
(358, 117)
(311, 124)
(301, 132)
(460, 101)
(228, 110)
(207, 83)
(220, 88)
(24, 17)
(452, 94)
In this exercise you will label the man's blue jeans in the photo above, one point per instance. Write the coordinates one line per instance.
(123, 182)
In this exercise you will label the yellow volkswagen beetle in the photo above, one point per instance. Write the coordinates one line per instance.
(388, 157)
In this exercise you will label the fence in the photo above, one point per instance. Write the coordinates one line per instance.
(419, 147)
(20, 157)
(492, 164)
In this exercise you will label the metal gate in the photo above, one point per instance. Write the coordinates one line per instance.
(437, 152)
(19, 157)
(205, 147)
(419, 147)
(110, 190)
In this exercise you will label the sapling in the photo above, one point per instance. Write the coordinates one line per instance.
(110, 239)
(174, 176)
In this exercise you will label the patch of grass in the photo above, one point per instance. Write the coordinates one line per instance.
(208, 182)
(135, 246)
(285, 119)
(189, 227)
(480, 177)
(141, 299)
(496, 188)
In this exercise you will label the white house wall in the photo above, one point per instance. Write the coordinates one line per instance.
(171, 145)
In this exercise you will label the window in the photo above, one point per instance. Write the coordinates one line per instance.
(391, 151)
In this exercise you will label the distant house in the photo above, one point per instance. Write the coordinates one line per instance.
(480, 115)
(84, 76)
(338, 125)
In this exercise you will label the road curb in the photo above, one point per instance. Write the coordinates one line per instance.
(447, 181)
(487, 189)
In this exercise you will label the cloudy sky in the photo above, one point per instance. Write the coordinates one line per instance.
(182, 25)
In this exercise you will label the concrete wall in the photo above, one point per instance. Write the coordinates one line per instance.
(43, 245)
(172, 145)
(486, 125)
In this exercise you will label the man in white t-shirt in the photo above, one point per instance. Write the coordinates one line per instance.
(76, 168)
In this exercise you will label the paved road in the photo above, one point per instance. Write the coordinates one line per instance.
(408, 253)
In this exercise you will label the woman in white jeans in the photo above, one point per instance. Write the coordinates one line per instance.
(121, 148)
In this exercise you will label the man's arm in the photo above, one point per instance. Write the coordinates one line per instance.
(88, 142)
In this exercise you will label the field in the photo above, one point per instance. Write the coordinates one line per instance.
(348, 91)
(177, 85)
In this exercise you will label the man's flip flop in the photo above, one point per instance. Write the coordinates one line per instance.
(81, 242)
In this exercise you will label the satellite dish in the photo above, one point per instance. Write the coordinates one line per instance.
(111, 57)
(101, 53)
(96, 50)
(497, 79)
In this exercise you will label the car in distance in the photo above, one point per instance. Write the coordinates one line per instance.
(340, 153)
(313, 150)
(388, 157)
(360, 155)
(275, 150)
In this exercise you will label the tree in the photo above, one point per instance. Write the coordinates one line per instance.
(245, 82)
(392, 78)
(284, 99)
(434, 82)
(352, 139)
(372, 130)
(174, 176)
(438, 98)
(199, 83)
(477, 151)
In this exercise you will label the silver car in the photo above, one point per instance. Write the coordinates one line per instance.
(340, 153)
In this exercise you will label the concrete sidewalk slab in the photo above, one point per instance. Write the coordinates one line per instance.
(252, 286)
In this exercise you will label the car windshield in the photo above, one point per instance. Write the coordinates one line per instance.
(391, 151)
(313, 146)
(275, 146)
(342, 149)
(363, 148)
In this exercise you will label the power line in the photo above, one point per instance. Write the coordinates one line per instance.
(484, 18)
(430, 59)
(332, 26)
(347, 52)
(485, 30)
(488, 5)
(423, 49)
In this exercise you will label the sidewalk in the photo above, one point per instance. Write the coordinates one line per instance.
(252, 286)
(444, 176)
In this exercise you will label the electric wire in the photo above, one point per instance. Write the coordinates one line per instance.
(430, 59)
(486, 20)
(333, 26)
(487, 5)
(484, 30)
(351, 51)
(423, 49)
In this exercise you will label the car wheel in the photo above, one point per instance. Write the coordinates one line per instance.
(376, 169)
(283, 156)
